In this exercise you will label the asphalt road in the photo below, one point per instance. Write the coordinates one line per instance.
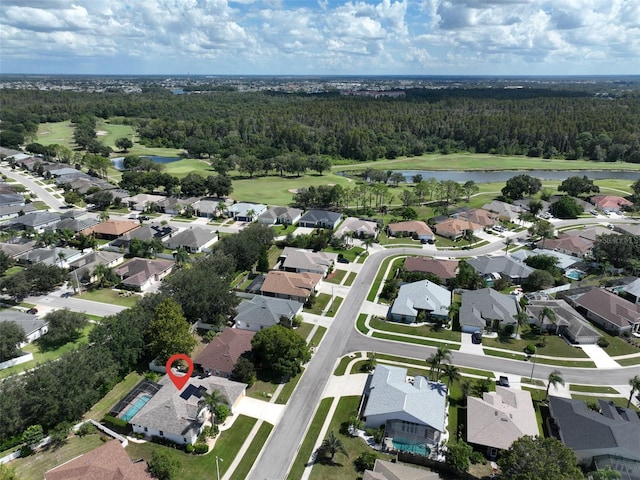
(38, 190)
(55, 300)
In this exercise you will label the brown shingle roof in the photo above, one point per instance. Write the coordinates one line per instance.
(289, 283)
(445, 269)
(414, 226)
(112, 227)
(610, 306)
(480, 216)
(456, 226)
(224, 350)
(107, 462)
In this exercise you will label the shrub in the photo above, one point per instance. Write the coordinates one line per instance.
(508, 330)
(365, 461)
(116, 422)
(530, 349)
(200, 448)
(86, 428)
(476, 457)
(189, 448)
(603, 342)
(221, 412)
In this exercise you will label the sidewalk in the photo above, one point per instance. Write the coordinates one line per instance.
(599, 356)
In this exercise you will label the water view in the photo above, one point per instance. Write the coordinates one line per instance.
(118, 161)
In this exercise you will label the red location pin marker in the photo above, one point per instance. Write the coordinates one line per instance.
(179, 380)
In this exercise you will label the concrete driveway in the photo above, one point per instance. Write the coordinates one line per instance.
(254, 408)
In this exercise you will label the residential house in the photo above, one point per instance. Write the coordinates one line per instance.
(58, 256)
(81, 270)
(607, 437)
(386, 470)
(500, 418)
(629, 229)
(192, 239)
(420, 301)
(209, 207)
(567, 322)
(11, 199)
(37, 221)
(590, 233)
(13, 211)
(568, 244)
(505, 211)
(17, 246)
(632, 291)
(586, 206)
(221, 354)
(524, 204)
(142, 201)
(412, 228)
(479, 216)
(320, 219)
(146, 233)
(609, 311)
(444, 269)
(610, 203)
(76, 221)
(176, 415)
(290, 286)
(280, 216)
(486, 309)
(107, 462)
(256, 312)
(245, 212)
(111, 229)
(141, 273)
(491, 268)
(357, 228)
(300, 260)
(33, 326)
(564, 261)
(455, 228)
(174, 205)
(412, 410)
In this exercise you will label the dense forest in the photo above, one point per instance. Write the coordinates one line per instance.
(536, 122)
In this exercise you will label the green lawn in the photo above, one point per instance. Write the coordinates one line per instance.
(428, 331)
(114, 132)
(335, 305)
(342, 366)
(380, 276)
(350, 279)
(35, 466)
(317, 337)
(40, 356)
(336, 276)
(592, 389)
(360, 323)
(322, 300)
(249, 458)
(416, 340)
(423, 364)
(261, 389)
(201, 466)
(627, 362)
(306, 449)
(106, 295)
(60, 133)
(555, 346)
(618, 401)
(287, 390)
(304, 330)
(117, 393)
(551, 361)
(350, 253)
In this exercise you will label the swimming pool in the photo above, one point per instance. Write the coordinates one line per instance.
(405, 446)
(574, 274)
(135, 408)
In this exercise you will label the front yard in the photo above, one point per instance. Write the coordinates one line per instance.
(107, 295)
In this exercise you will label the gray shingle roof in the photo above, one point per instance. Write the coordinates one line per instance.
(423, 400)
(281, 212)
(264, 311)
(478, 306)
(191, 237)
(422, 295)
(503, 264)
(29, 323)
(582, 429)
(316, 216)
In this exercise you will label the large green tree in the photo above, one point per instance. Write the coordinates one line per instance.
(535, 458)
(11, 335)
(566, 207)
(575, 186)
(457, 455)
(619, 250)
(280, 350)
(64, 327)
(169, 332)
(520, 185)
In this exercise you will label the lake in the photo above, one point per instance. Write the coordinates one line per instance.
(504, 175)
(117, 162)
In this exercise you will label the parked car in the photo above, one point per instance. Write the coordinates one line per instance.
(343, 260)
(32, 311)
(503, 381)
(143, 217)
(476, 337)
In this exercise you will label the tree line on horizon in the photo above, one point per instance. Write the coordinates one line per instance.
(569, 124)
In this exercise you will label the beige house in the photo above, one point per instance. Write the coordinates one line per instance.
(290, 285)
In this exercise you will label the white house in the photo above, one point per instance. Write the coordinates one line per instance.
(245, 212)
(422, 296)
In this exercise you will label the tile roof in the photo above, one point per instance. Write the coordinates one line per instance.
(445, 269)
(290, 283)
(583, 429)
(610, 202)
(223, 352)
(112, 227)
(610, 306)
(423, 400)
(480, 216)
(456, 226)
(107, 462)
(499, 418)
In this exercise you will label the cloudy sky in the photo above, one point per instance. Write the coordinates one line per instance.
(316, 37)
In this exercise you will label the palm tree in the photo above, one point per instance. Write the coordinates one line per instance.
(103, 216)
(212, 400)
(61, 258)
(443, 354)
(433, 361)
(105, 275)
(367, 241)
(549, 314)
(451, 373)
(634, 383)
(507, 243)
(554, 379)
(522, 319)
(333, 445)
(182, 256)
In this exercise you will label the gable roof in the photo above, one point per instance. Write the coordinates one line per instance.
(479, 306)
(480, 216)
(506, 265)
(138, 270)
(17, 247)
(49, 256)
(503, 209)
(281, 212)
(499, 418)
(385, 470)
(633, 288)
(583, 429)
(568, 243)
(445, 269)
(565, 316)
(456, 226)
(112, 227)
(564, 260)
(223, 352)
(241, 209)
(77, 224)
(417, 227)
(34, 219)
(590, 233)
(192, 237)
(424, 401)
(90, 261)
(107, 462)
(356, 225)
(145, 233)
(290, 283)
(422, 295)
(610, 306)
(176, 411)
(315, 216)
(265, 311)
(29, 323)
(299, 258)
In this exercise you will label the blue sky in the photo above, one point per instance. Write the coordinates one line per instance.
(321, 37)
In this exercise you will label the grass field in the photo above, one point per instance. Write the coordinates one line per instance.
(427, 331)
(249, 458)
(118, 392)
(35, 466)
(106, 295)
(201, 466)
(60, 133)
(555, 346)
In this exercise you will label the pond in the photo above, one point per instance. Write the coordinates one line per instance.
(117, 162)
(483, 176)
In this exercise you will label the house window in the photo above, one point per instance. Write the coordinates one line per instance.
(146, 429)
(161, 433)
